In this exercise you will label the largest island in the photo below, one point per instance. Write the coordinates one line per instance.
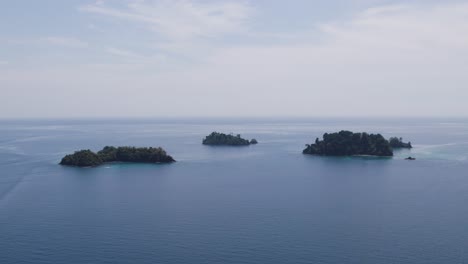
(347, 143)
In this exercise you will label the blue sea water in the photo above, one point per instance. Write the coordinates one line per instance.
(266, 203)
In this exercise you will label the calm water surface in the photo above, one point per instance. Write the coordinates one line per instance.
(258, 204)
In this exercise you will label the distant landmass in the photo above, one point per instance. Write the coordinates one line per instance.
(219, 139)
(87, 158)
(347, 143)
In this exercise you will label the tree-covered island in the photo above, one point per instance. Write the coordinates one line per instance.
(87, 158)
(347, 143)
(219, 139)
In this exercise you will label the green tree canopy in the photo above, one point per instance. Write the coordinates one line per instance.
(347, 143)
(216, 138)
(87, 158)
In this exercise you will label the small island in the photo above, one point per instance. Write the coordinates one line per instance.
(347, 143)
(87, 158)
(397, 143)
(220, 139)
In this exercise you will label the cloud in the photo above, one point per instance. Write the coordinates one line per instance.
(131, 60)
(405, 26)
(397, 60)
(181, 19)
(383, 61)
(122, 53)
(3, 62)
(65, 42)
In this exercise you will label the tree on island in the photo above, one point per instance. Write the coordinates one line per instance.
(216, 138)
(347, 143)
(398, 143)
(82, 158)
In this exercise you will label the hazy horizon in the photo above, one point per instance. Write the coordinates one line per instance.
(238, 118)
(228, 59)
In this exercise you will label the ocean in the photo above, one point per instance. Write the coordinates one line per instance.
(265, 203)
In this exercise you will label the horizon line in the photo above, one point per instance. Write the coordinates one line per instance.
(78, 118)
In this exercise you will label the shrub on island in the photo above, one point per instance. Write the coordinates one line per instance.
(87, 158)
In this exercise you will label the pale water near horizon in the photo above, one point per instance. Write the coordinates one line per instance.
(266, 203)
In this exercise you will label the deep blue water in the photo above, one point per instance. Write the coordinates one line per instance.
(266, 203)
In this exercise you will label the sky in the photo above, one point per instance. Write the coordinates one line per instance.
(233, 58)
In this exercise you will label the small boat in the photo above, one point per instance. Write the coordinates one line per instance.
(410, 158)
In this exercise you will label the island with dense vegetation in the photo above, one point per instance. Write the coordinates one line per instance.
(219, 139)
(397, 143)
(87, 158)
(347, 143)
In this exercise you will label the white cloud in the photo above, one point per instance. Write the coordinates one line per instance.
(389, 60)
(122, 53)
(65, 42)
(410, 26)
(181, 19)
(132, 60)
